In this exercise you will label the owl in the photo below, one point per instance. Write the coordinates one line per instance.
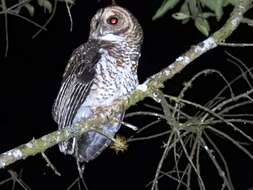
(99, 71)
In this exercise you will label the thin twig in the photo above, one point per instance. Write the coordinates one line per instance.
(4, 7)
(236, 44)
(49, 164)
(48, 20)
(70, 16)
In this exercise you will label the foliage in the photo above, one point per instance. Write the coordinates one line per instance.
(15, 9)
(197, 10)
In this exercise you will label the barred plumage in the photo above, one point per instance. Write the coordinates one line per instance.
(98, 72)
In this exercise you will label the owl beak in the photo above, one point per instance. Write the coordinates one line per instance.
(99, 34)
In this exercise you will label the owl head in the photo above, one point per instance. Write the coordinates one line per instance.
(115, 24)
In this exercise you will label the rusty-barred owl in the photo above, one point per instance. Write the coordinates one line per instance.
(99, 71)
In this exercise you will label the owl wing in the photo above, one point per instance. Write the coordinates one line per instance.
(76, 83)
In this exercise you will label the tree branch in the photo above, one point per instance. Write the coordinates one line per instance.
(147, 89)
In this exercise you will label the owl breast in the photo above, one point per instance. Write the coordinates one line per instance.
(110, 83)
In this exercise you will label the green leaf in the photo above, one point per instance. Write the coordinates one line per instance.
(215, 5)
(233, 2)
(194, 9)
(225, 3)
(166, 5)
(185, 9)
(180, 16)
(202, 25)
(185, 21)
(45, 4)
(68, 1)
(30, 9)
(206, 14)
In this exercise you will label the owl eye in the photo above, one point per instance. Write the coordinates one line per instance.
(112, 20)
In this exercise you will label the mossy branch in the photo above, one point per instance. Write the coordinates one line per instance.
(147, 89)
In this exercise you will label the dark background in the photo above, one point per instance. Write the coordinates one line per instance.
(31, 74)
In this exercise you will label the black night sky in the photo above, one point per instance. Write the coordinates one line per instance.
(30, 77)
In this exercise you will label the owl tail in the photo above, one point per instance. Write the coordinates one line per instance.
(92, 144)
